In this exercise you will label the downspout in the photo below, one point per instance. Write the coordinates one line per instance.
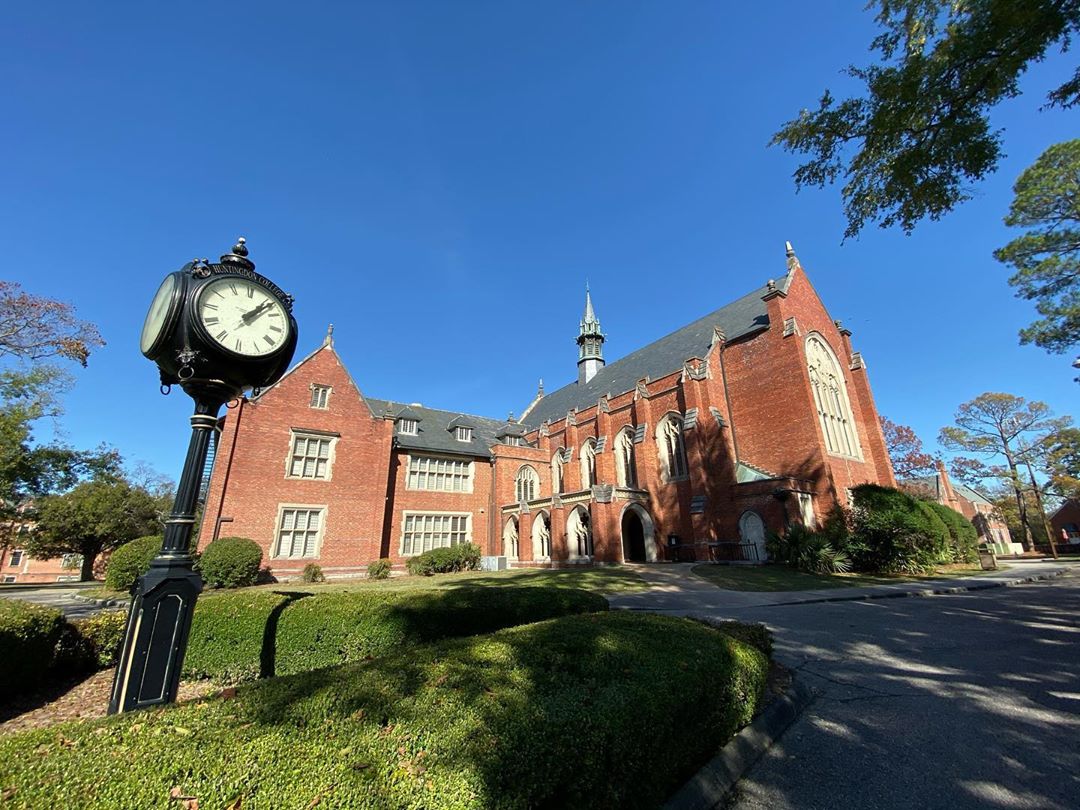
(228, 469)
(491, 510)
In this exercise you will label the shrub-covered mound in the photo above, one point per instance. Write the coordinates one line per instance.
(128, 562)
(28, 637)
(257, 633)
(231, 562)
(600, 711)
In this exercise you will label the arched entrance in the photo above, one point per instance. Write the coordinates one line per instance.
(752, 530)
(541, 537)
(579, 541)
(638, 535)
(510, 539)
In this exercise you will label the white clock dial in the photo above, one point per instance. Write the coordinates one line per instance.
(158, 314)
(243, 316)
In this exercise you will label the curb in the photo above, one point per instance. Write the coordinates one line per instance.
(944, 590)
(710, 786)
(102, 602)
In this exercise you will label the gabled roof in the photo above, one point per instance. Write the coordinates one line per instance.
(434, 430)
(660, 358)
(972, 495)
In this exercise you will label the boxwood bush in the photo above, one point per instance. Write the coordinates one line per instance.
(28, 638)
(231, 562)
(963, 537)
(379, 569)
(244, 635)
(609, 710)
(892, 532)
(465, 557)
(130, 561)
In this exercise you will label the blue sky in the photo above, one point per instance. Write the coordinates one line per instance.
(439, 180)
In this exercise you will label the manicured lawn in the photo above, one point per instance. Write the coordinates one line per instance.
(782, 578)
(600, 579)
(564, 713)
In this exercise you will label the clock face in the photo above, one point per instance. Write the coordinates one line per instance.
(158, 315)
(243, 317)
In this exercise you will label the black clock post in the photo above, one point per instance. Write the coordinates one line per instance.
(216, 330)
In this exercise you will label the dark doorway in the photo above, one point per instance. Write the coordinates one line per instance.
(633, 537)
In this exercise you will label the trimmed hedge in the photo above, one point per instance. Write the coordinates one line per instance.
(231, 562)
(251, 634)
(564, 713)
(312, 573)
(465, 557)
(893, 532)
(130, 561)
(963, 537)
(28, 638)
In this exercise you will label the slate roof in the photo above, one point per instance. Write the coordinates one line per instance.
(739, 318)
(934, 483)
(435, 429)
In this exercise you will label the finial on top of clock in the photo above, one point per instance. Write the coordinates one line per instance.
(239, 255)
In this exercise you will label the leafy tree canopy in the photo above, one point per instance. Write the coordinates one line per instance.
(94, 516)
(33, 328)
(911, 146)
(905, 450)
(1047, 257)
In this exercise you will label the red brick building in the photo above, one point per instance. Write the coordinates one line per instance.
(755, 416)
(1065, 523)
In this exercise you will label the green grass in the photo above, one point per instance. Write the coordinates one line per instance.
(783, 578)
(600, 579)
(599, 711)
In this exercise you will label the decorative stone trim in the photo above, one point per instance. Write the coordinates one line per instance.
(697, 504)
(690, 419)
(601, 443)
(602, 493)
(791, 327)
(639, 433)
(857, 361)
(642, 389)
(719, 417)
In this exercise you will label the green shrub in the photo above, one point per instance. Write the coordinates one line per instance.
(312, 573)
(963, 537)
(894, 533)
(103, 634)
(756, 634)
(591, 699)
(28, 638)
(807, 550)
(231, 562)
(465, 557)
(229, 632)
(237, 637)
(130, 561)
(380, 569)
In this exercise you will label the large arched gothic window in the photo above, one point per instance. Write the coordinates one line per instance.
(669, 441)
(526, 484)
(588, 463)
(557, 472)
(624, 458)
(831, 399)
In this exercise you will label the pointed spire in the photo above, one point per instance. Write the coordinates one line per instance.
(792, 259)
(590, 342)
(329, 339)
(540, 388)
(590, 316)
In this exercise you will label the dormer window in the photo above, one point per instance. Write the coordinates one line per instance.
(320, 396)
(408, 427)
(463, 434)
(515, 441)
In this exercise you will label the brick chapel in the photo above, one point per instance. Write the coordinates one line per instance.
(756, 416)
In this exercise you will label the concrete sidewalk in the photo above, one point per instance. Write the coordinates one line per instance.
(675, 589)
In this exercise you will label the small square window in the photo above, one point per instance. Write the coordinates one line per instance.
(320, 396)
(464, 434)
(408, 427)
(9, 577)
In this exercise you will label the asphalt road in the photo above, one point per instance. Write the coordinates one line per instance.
(951, 702)
(62, 597)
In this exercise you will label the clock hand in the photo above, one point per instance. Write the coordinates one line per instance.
(248, 317)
